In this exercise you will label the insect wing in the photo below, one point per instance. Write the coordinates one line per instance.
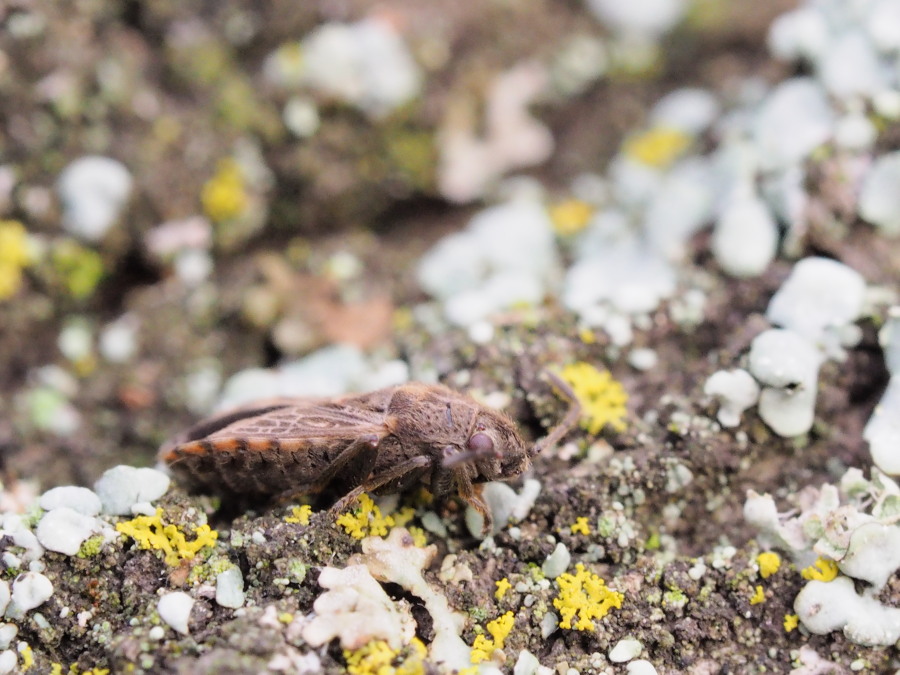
(304, 422)
(288, 428)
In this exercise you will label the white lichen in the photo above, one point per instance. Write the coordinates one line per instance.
(787, 365)
(398, 560)
(818, 301)
(882, 431)
(356, 610)
(736, 390)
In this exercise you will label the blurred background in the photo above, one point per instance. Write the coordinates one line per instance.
(204, 202)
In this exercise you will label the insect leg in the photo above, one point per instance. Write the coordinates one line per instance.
(363, 444)
(472, 495)
(375, 482)
(567, 423)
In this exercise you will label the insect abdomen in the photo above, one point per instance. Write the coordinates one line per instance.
(251, 467)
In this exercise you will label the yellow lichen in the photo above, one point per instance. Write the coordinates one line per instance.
(299, 515)
(224, 196)
(57, 669)
(13, 257)
(658, 147)
(482, 649)
(821, 570)
(366, 520)
(769, 563)
(499, 629)
(571, 216)
(581, 525)
(403, 516)
(586, 596)
(502, 586)
(418, 535)
(790, 622)
(602, 398)
(150, 533)
(759, 596)
(377, 658)
(27, 655)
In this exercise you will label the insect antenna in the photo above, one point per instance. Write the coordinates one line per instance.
(567, 422)
(458, 458)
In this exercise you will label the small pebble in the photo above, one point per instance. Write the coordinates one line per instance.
(557, 562)
(625, 650)
(175, 609)
(31, 590)
(118, 341)
(64, 530)
(78, 499)
(4, 596)
(526, 664)
(433, 523)
(642, 358)
(93, 191)
(8, 632)
(156, 633)
(123, 486)
(230, 588)
(549, 624)
(8, 661)
(641, 667)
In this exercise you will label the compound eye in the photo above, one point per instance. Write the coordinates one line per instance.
(481, 444)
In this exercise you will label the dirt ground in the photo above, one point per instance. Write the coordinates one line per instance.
(165, 88)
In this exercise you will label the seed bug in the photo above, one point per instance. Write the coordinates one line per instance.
(386, 441)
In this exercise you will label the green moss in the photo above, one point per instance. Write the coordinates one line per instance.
(535, 572)
(91, 546)
(413, 153)
(297, 569)
(478, 614)
(674, 598)
(78, 269)
(605, 526)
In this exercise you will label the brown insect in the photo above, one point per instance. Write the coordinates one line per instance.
(387, 441)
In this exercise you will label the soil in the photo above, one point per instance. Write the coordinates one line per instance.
(186, 95)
